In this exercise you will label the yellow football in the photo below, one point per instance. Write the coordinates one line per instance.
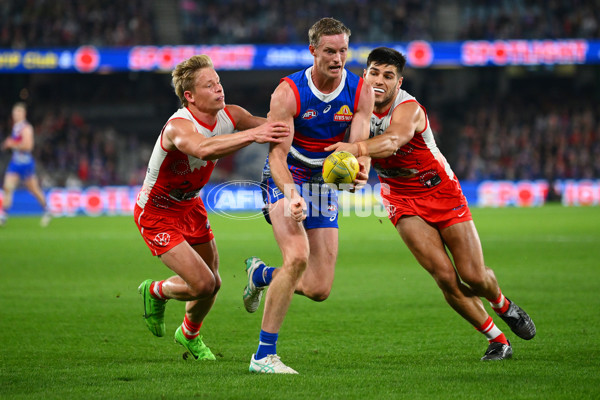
(340, 167)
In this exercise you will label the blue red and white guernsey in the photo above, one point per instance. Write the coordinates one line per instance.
(174, 179)
(21, 162)
(320, 120)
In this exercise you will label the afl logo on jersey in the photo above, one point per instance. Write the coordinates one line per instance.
(310, 114)
(343, 115)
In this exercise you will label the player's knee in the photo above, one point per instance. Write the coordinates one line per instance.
(204, 288)
(475, 278)
(446, 280)
(297, 263)
(318, 293)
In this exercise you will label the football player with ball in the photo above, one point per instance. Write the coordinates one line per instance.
(426, 205)
(322, 104)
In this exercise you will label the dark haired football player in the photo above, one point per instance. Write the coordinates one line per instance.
(425, 203)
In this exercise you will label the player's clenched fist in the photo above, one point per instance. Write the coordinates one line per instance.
(296, 208)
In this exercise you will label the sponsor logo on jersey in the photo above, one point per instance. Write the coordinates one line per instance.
(326, 110)
(162, 239)
(310, 114)
(430, 178)
(343, 115)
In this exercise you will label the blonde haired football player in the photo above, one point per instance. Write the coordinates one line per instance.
(169, 212)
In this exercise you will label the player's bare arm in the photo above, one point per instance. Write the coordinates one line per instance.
(407, 119)
(243, 118)
(359, 131)
(283, 109)
(181, 134)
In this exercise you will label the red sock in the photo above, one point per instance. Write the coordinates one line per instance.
(500, 339)
(190, 329)
(156, 290)
(500, 305)
(491, 331)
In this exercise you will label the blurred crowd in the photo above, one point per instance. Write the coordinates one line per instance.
(44, 23)
(529, 19)
(282, 21)
(286, 21)
(65, 23)
(515, 140)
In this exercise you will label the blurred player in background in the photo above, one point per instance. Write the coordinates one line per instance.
(169, 212)
(22, 164)
(426, 205)
(322, 103)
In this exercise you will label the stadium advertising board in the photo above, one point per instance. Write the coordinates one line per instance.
(231, 197)
(420, 54)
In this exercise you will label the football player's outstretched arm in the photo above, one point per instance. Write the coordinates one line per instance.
(243, 118)
(406, 119)
(359, 131)
(181, 134)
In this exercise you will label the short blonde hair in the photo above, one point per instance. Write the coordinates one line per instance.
(326, 27)
(184, 74)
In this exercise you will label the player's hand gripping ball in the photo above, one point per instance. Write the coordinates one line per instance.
(340, 167)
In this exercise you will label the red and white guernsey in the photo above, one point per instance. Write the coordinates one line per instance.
(417, 168)
(174, 179)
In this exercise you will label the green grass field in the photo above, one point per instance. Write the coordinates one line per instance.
(71, 325)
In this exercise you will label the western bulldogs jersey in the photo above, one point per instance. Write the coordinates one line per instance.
(174, 179)
(320, 120)
(20, 157)
(418, 166)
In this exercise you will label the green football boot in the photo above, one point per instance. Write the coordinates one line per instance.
(195, 347)
(154, 310)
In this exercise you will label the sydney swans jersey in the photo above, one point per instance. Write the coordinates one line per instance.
(418, 167)
(321, 119)
(20, 157)
(174, 179)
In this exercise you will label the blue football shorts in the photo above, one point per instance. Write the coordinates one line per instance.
(321, 202)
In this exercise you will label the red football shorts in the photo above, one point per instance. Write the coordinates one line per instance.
(162, 233)
(443, 208)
